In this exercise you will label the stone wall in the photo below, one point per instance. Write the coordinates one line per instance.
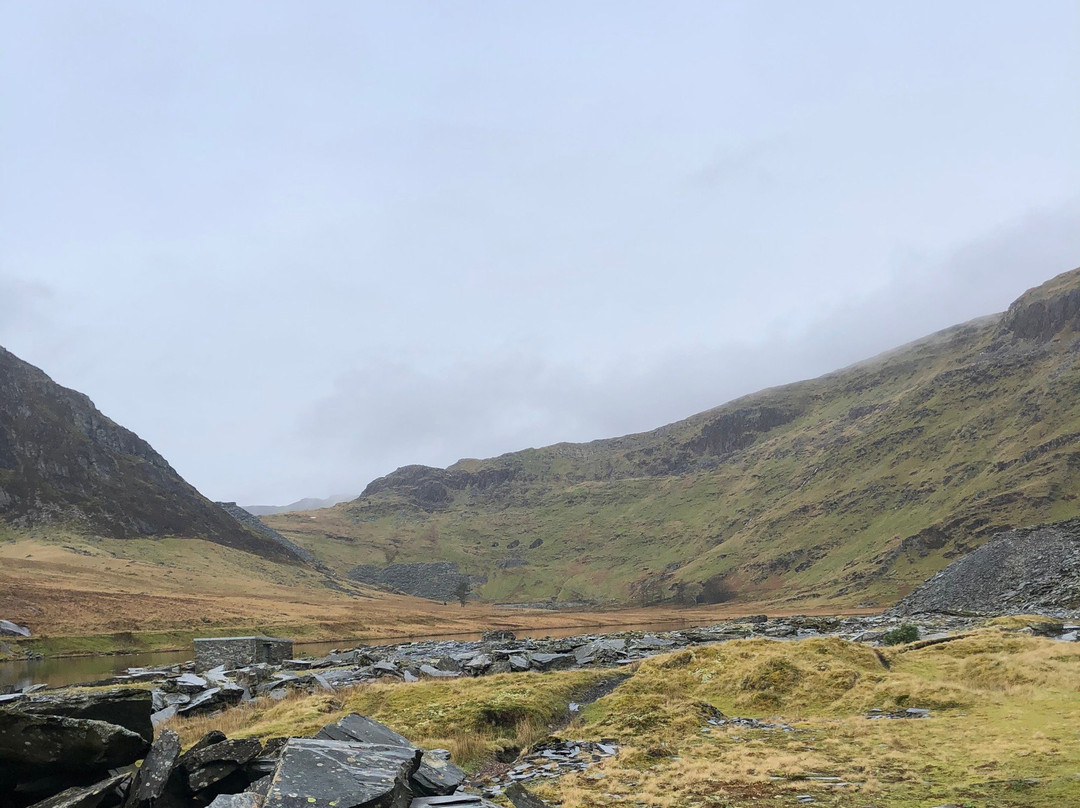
(238, 652)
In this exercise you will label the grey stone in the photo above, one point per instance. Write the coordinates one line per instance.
(552, 662)
(435, 673)
(521, 798)
(39, 745)
(354, 775)
(9, 629)
(217, 761)
(436, 775)
(153, 775)
(126, 707)
(243, 800)
(518, 662)
(189, 683)
(85, 796)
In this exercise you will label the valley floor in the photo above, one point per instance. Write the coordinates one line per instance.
(83, 596)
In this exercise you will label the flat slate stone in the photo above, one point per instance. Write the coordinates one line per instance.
(84, 796)
(38, 745)
(126, 707)
(316, 773)
(153, 775)
(436, 775)
(217, 761)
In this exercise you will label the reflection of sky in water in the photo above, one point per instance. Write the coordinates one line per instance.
(79, 670)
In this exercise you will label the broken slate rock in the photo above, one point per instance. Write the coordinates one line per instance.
(522, 798)
(436, 774)
(217, 761)
(126, 707)
(313, 771)
(34, 746)
(9, 629)
(153, 775)
(85, 796)
(244, 800)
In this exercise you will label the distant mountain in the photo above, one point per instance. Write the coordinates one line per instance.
(849, 488)
(64, 463)
(306, 504)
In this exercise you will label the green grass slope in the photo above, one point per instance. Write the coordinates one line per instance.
(848, 489)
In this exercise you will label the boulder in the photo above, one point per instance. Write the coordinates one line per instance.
(156, 769)
(498, 635)
(552, 662)
(34, 746)
(125, 707)
(522, 798)
(85, 796)
(314, 771)
(435, 776)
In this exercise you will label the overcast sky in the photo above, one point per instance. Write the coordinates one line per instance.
(296, 245)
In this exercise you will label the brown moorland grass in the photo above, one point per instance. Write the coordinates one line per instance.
(84, 595)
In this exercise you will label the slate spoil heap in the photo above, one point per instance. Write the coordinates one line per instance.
(80, 750)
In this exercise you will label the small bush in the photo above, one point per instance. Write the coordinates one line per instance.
(906, 632)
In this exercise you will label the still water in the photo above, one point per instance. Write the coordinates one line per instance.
(79, 670)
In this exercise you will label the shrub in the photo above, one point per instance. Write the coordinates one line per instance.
(905, 632)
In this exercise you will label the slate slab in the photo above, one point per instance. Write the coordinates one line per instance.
(153, 775)
(314, 771)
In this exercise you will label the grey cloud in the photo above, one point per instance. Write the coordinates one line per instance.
(381, 415)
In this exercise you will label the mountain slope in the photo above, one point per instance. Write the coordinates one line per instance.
(849, 488)
(63, 463)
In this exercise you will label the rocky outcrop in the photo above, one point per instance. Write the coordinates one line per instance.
(1032, 570)
(1047, 310)
(433, 488)
(63, 462)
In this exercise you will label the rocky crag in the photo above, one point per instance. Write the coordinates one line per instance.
(64, 463)
(850, 488)
(1035, 570)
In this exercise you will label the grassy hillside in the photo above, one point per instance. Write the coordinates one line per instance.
(849, 489)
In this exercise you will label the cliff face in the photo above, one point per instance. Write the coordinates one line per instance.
(62, 462)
